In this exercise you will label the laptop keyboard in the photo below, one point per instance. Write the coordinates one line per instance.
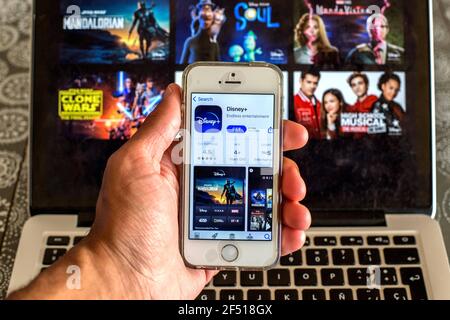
(376, 267)
(332, 268)
(56, 246)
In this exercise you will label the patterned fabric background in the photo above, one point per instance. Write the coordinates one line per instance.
(15, 54)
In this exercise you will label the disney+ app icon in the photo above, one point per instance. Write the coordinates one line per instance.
(208, 119)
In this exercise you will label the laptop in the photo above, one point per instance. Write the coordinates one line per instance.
(371, 176)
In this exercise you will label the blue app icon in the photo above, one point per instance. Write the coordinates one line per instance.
(208, 119)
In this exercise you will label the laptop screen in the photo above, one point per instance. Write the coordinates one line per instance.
(357, 76)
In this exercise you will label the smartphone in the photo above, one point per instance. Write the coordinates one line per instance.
(232, 151)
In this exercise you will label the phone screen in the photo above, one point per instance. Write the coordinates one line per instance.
(232, 157)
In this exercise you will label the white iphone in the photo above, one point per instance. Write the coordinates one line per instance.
(232, 151)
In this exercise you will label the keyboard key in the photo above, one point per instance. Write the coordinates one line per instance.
(352, 241)
(307, 242)
(77, 240)
(279, 277)
(251, 278)
(230, 295)
(225, 279)
(305, 277)
(207, 295)
(341, 294)
(258, 295)
(325, 241)
(404, 240)
(413, 277)
(317, 257)
(313, 294)
(51, 255)
(293, 259)
(388, 276)
(395, 294)
(368, 294)
(332, 277)
(286, 295)
(378, 241)
(369, 256)
(58, 241)
(343, 257)
(357, 276)
(401, 256)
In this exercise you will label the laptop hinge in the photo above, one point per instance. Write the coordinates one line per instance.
(348, 218)
(85, 219)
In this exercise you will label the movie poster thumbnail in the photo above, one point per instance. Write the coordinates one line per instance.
(108, 106)
(219, 198)
(179, 81)
(260, 199)
(115, 32)
(350, 32)
(334, 105)
(260, 220)
(234, 31)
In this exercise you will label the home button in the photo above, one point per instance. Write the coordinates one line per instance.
(230, 253)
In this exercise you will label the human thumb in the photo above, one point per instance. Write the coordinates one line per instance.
(162, 125)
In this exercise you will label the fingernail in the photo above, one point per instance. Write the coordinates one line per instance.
(169, 90)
